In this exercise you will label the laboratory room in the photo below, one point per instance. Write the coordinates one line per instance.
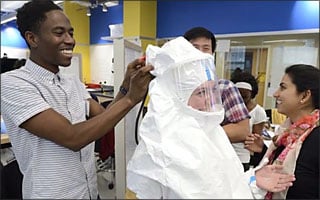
(159, 99)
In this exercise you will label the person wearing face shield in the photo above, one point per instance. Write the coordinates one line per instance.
(236, 119)
(183, 150)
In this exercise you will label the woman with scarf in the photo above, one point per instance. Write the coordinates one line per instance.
(296, 144)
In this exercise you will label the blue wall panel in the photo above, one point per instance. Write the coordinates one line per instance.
(100, 21)
(174, 17)
(305, 14)
(10, 36)
(225, 17)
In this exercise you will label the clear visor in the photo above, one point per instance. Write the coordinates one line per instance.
(206, 97)
(197, 85)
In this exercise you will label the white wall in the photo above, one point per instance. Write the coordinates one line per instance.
(100, 61)
(282, 57)
(14, 52)
(75, 68)
(101, 64)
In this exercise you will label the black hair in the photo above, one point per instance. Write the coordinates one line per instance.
(305, 77)
(248, 78)
(198, 32)
(32, 14)
(236, 72)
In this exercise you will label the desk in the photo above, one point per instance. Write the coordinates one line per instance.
(102, 96)
(4, 139)
(4, 135)
(11, 177)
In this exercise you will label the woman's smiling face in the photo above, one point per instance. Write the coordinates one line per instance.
(287, 96)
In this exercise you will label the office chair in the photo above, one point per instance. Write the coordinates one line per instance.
(106, 153)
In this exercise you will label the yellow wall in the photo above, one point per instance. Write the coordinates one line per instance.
(131, 18)
(139, 20)
(148, 18)
(81, 24)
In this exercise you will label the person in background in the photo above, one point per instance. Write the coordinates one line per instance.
(236, 119)
(19, 63)
(296, 143)
(45, 111)
(235, 72)
(248, 87)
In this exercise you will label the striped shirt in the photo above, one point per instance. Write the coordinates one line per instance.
(50, 170)
(235, 109)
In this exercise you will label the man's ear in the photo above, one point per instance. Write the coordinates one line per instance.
(32, 39)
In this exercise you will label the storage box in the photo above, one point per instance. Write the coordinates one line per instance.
(116, 30)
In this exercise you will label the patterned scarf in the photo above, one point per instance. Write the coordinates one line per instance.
(290, 137)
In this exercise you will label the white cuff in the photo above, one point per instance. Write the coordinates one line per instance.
(256, 192)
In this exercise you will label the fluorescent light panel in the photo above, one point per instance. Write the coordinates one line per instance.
(11, 6)
(9, 17)
(277, 41)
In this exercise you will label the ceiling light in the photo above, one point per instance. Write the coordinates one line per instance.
(9, 17)
(88, 12)
(111, 3)
(104, 8)
(276, 41)
(10, 7)
(58, 2)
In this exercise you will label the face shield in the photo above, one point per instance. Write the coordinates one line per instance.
(197, 85)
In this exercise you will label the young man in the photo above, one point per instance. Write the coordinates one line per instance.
(45, 112)
(236, 120)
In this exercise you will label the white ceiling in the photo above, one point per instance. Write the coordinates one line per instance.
(11, 6)
(8, 8)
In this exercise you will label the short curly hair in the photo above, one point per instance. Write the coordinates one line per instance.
(248, 78)
(32, 14)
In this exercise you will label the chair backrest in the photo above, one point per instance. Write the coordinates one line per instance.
(105, 145)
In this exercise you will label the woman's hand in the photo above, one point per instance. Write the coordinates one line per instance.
(271, 178)
(254, 142)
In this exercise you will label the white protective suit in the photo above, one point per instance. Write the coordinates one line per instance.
(183, 153)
